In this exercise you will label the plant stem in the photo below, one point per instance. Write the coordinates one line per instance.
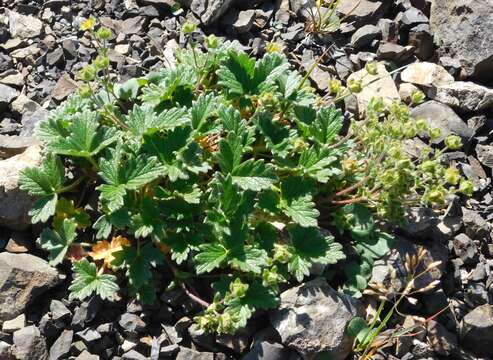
(72, 186)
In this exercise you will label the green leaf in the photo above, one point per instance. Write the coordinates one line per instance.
(57, 241)
(301, 210)
(144, 120)
(211, 256)
(318, 165)
(86, 137)
(361, 224)
(230, 153)
(254, 175)
(128, 90)
(45, 180)
(202, 109)
(358, 328)
(375, 246)
(87, 281)
(327, 125)
(43, 208)
(236, 72)
(113, 195)
(248, 259)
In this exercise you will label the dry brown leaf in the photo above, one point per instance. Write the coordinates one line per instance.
(75, 253)
(104, 250)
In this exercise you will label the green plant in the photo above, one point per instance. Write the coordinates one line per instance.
(324, 18)
(224, 170)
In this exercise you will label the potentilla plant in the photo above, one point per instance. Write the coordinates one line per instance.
(224, 170)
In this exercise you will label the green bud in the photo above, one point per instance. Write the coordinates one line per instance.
(211, 41)
(436, 196)
(356, 86)
(85, 91)
(421, 125)
(104, 33)
(453, 142)
(417, 97)
(371, 68)
(237, 288)
(452, 176)
(188, 27)
(335, 86)
(429, 166)
(300, 145)
(466, 187)
(435, 133)
(87, 73)
(102, 62)
(281, 253)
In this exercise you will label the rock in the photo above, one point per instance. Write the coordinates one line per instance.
(131, 323)
(64, 87)
(411, 17)
(210, 11)
(29, 344)
(23, 277)
(365, 35)
(441, 340)
(13, 78)
(61, 347)
(312, 318)
(86, 313)
(30, 121)
(361, 11)
(24, 26)
(133, 355)
(14, 203)
(426, 74)
(11, 326)
(23, 105)
(394, 52)
(464, 95)
(5, 351)
(55, 57)
(475, 226)
(134, 25)
(465, 249)
(86, 355)
(441, 116)
(244, 21)
(59, 311)
(406, 91)
(189, 354)
(318, 76)
(422, 39)
(380, 85)
(485, 155)
(7, 95)
(462, 30)
(15, 145)
(267, 351)
(26, 53)
(169, 351)
(89, 336)
(476, 330)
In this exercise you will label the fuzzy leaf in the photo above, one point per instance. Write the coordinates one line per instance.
(87, 281)
(211, 256)
(144, 120)
(254, 175)
(57, 241)
(327, 125)
(44, 180)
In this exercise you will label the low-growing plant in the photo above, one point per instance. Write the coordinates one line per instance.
(225, 170)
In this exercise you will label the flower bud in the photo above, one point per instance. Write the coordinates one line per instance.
(429, 166)
(421, 125)
(452, 176)
(435, 133)
(188, 27)
(356, 86)
(436, 196)
(466, 187)
(85, 91)
(104, 33)
(238, 289)
(211, 41)
(453, 142)
(88, 24)
(371, 68)
(87, 73)
(335, 86)
(101, 62)
(281, 254)
(417, 97)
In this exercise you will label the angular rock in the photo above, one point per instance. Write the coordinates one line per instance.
(7, 95)
(463, 31)
(24, 26)
(412, 17)
(210, 11)
(23, 277)
(11, 326)
(59, 311)
(267, 351)
(64, 87)
(131, 323)
(5, 351)
(380, 85)
(394, 52)
(406, 91)
(29, 344)
(23, 105)
(15, 145)
(361, 11)
(465, 249)
(86, 313)
(312, 318)
(133, 355)
(476, 330)
(485, 155)
(86, 355)
(426, 74)
(30, 121)
(14, 203)
(13, 78)
(61, 347)
(442, 340)
(244, 21)
(189, 354)
(464, 95)
(438, 115)
(134, 25)
(365, 35)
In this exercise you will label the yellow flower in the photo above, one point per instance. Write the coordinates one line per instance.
(88, 24)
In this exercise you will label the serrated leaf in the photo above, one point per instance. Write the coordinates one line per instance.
(128, 90)
(248, 259)
(254, 175)
(318, 165)
(202, 110)
(44, 180)
(211, 256)
(301, 210)
(43, 208)
(327, 125)
(144, 120)
(104, 250)
(57, 241)
(87, 281)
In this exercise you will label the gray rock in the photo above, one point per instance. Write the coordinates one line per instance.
(24, 26)
(14, 145)
(394, 52)
(464, 95)
(11, 326)
(267, 351)
(89, 335)
(465, 249)
(24, 106)
(312, 318)
(134, 25)
(438, 115)
(7, 95)
(23, 277)
(244, 21)
(61, 347)
(485, 155)
(476, 330)
(14, 203)
(475, 225)
(462, 30)
(426, 74)
(189, 354)
(133, 355)
(30, 121)
(59, 311)
(86, 355)
(169, 350)
(5, 351)
(64, 87)
(365, 35)
(361, 11)
(86, 313)
(131, 323)
(412, 17)
(29, 344)
(441, 340)
(210, 11)
(55, 57)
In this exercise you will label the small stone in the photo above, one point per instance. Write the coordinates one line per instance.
(55, 57)
(244, 21)
(89, 336)
(5, 351)
(189, 354)
(267, 351)
(169, 350)
(15, 145)
(412, 17)
(133, 355)
(134, 25)
(86, 355)
(26, 53)
(7, 95)
(210, 11)
(14, 78)
(11, 326)
(29, 344)
(361, 12)
(441, 340)
(132, 323)
(365, 35)
(122, 49)
(485, 155)
(394, 52)
(466, 249)
(464, 95)
(59, 311)
(426, 74)
(61, 347)
(23, 105)
(86, 313)
(476, 330)
(31, 120)
(24, 26)
(406, 91)
(64, 87)
(475, 225)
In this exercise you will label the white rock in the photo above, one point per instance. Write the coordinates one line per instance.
(406, 90)
(11, 326)
(24, 26)
(426, 74)
(464, 95)
(122, 49)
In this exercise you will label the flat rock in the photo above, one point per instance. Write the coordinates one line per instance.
(394, 52)
(361, 11)
(476, 330)
(29, 344)
(31, 120)
(5, 351)
(14, 203)
(426, 74)
(7, 95)
(244, 21)
(438, 115)
(485, 155)
(11, 326)
(312, 318)
(462, 29)
(210, 11)
(380, 85)
(265, 350)
(61, 347)
(23, 277)
(24, 106)
(464, 95)
(14, 145)
(14, 78)
(365, 35)
(189, 354)
(64, 87)
(24, 26)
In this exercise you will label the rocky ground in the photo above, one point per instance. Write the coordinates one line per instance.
(448, 44)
